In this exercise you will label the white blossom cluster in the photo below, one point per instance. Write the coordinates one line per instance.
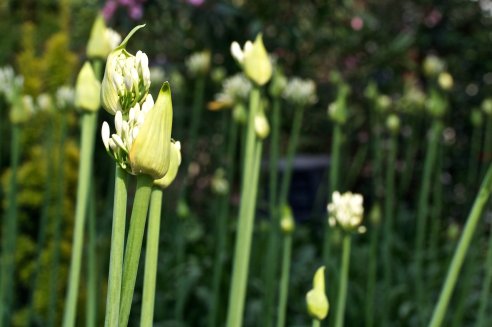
(65, 96)
(10, 84)
(300, 92)
(346, 210)
(234, 89)
(198, 63)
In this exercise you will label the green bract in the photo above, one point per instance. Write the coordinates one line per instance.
(149, 153)
(254, 60)
(316, 300)
(87, 89)
(174, 163)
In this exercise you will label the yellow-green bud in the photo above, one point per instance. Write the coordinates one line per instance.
(287, 222)
(445, 81)
(316, 300)
(476, 118)
(337, 113)
(219, 183)
(87, 89)
(262, 127)
(375, 214)
(126, 78)
(239, 114)
(436, 104)
(182, 209)
(254, 60)
(149, 153)
(383, 103)
(174, 163)
(487, 106)
(22, 110)
(393, 123)
(102, 40)
(432, 66)
(279, 81)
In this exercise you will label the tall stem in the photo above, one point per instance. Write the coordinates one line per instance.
(460, 252)
(423, 209)
(151, 255)
(284, 280)
(134, 246)
(372, 274)
(246, 218)
(10, 233)
(92, 298)
(389, 211)
(89, 121)
(117, 245)
(342, 292)
(486, 286)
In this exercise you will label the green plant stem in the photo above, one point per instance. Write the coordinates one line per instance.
(486, 286)
(284, 281)
(196, 114)
(487, 144)
(92, 298)
(246, 218)
(461, 250)
(89, 121)
(57, 223)
(151, 255)
(410, 155)
(222, 225)
(117, 246)
(372, 274)
(316, 323)
(134, 245)
(357, 165)
(436, 210)
(473, 162)
(389, 212)
(10, 233)
(423, 209)
(342, 292)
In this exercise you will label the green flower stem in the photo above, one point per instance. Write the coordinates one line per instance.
(389, 212)
(57, 223)
(436, 211)
(134, 245)
(461, 250)
(273, 246)
(316, 323)
(284, 280)
(10, 233)
(410, 155)
(487, 144)
(423, 210)
(357, 165)
(89, 121)
(486, 286)
(151, 255)
(44, 222)
(336, 148)
(117, 245)
(222, 224)
(372, 274)
(246, 218)
(342, 292)
(92, 298)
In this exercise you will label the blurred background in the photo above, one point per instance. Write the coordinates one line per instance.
(362, 42)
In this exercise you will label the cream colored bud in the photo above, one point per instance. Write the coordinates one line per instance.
(257, 65)
(175, 162)
(102, 40)
(445, 81)
(149, 153)
(393, 123)
(316, 300)
(87, 89)
(262, 127)
(287, 222)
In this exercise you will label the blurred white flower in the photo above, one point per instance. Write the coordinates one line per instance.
(198, 63)
(10, 84)
(301, 92)
(346, 210)
(65, 96)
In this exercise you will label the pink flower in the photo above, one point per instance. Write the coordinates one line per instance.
(196, 3)
(356, 23)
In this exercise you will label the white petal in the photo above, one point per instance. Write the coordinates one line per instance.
(118, 122)
(236, 52)
(105, 135)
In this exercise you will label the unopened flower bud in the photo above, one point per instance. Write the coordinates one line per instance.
(432, 66)
(219, 183)
(393, 123)
(174, 163)
(239, 114)
(487, 106)
(476, 118)
(375, 214)
(149, 153)
(383, 103)
(316, 300)
(262, 127)
(279, 81)
(287, 222)
(445, 81)
(87, 89)
(102, 40)
(254, 60)
(22, 110)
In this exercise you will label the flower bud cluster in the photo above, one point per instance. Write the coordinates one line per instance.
(254, 60)
(316, 300)
(300, 92)
(10, 84)
(346, 210)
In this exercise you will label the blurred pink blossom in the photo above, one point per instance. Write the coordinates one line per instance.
(134, 8)
(196, 3)
(356, 23)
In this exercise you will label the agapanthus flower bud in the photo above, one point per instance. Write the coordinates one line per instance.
(262, 127)
(219, 183)
(476, 118)
(10, 84)
(102, 40)
(433, 66)
(337, 113)
(445, 81)
(44, 102)
(436, 104)
(174, 163)
(300, 92)
(254, 60)
(149, 153)
(87, 89)
(393, 123)
(198, 63)
(383, 103)
(287, 222)
(126, 79)
(487, 106)
(346, 211)
(279, 81)
(316, 300)
(65, 96)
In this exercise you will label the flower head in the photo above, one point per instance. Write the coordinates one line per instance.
(65, 96)
(235, 89)
(346, 211)
(254, 60)
(126, 79)
(316, 300)
(10, 84)
(300, 92)
(198, 63)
